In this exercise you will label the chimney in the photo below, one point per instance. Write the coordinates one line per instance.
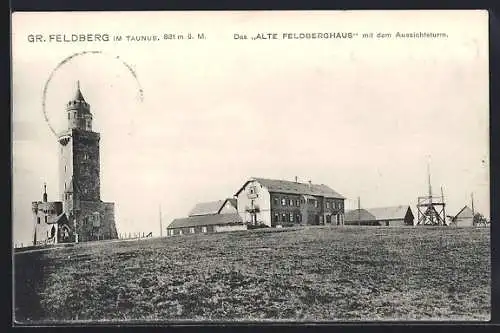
(310, 185)
(296, 179)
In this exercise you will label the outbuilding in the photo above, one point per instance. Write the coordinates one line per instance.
(207, 217)
(381, 216)
(464, 218)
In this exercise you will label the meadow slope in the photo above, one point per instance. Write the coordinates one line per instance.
(312, 273)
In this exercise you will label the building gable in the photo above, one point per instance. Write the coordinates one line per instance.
(464, 213)
(229, 207)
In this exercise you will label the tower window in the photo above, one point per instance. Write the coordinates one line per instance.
(38, 220)
(69, 116)
(45, 219)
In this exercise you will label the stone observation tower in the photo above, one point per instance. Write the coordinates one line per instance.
(85, 216)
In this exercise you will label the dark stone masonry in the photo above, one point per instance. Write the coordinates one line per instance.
(84, 216)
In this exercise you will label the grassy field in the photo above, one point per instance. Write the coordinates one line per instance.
(316, 273)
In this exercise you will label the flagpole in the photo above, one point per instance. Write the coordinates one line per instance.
(161, 225)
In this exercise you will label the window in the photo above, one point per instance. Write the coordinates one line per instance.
(297, 202)
(283, 202)
(38, 220)
(283, 217)
(276, 217)
(315, 203)
(191, 230)
(290, 202)
(291, 217)
(251, 190)
(298, 218)
(276, 201)
(327, 204)
(85, 156)
(45, 218)
(69, 116)
(203, 229)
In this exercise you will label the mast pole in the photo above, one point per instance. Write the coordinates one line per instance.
(161, 225)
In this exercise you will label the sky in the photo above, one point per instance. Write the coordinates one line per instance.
(364, 116)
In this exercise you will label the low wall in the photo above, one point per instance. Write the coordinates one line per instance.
(236, 227)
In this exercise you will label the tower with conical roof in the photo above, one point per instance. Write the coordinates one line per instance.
(78, 111)
(79, 170)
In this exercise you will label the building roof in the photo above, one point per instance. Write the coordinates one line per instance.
(206, 220)
(61, 219)
(379, 213)
(211, 207)
(206, 208)
(291, 187)
(358, 215)
(464, 213)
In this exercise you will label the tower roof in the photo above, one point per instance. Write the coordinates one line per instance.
(78, 93)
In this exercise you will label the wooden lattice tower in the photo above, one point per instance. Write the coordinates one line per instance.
(431, 209)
